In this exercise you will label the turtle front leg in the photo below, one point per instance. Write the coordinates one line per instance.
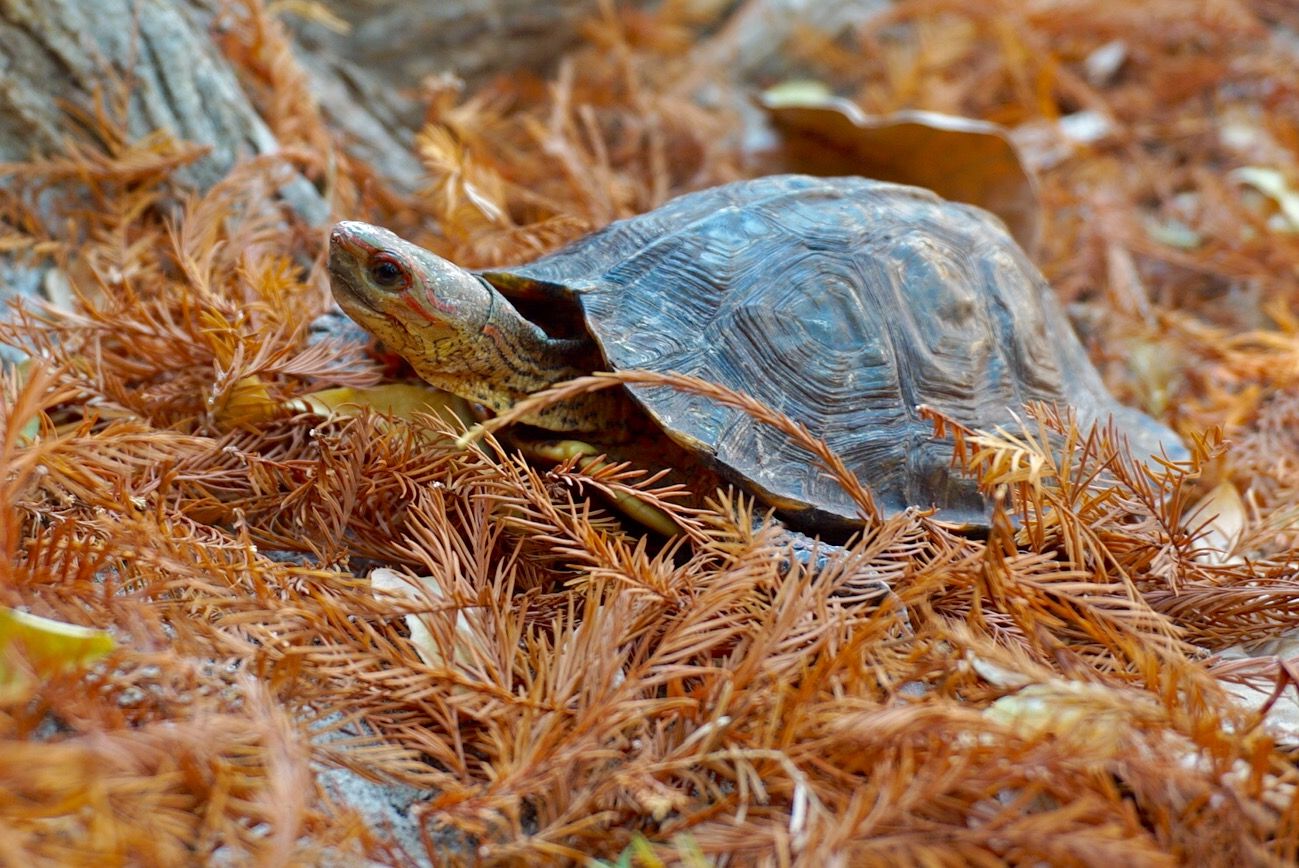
(589, 458)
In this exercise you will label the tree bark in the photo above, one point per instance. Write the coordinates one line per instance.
(60, 53)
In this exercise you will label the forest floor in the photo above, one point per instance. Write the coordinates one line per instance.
(1103, 677)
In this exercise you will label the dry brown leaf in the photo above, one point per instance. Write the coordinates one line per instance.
(961, 159)
(604, 689)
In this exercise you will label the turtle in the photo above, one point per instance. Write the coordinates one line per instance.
(845, 303)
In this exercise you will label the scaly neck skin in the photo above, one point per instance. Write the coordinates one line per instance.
(460, 334)
(509, 358)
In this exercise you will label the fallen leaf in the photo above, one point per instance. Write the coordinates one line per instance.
(1174, 233)
(58, 290)
(309, 10)
(1221, 516)
(51, 647)
(1282, 718)
(1086, 127)
(247, 403)
(1274, 185)
(958, 158)
(1280, 709)
(1104, 62)
(421, 634)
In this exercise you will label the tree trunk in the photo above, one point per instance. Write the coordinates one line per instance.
(71, 53)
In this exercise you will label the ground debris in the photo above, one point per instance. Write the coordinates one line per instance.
(574, 691)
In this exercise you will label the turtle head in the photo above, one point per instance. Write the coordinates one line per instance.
(457, 331)
(404, 294)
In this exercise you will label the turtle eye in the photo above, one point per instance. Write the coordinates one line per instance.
(388, 273)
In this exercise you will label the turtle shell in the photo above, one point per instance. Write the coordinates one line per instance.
(844, 303)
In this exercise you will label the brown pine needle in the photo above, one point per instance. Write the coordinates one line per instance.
(1060, 689)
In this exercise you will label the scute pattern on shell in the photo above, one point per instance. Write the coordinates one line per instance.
(844, 303)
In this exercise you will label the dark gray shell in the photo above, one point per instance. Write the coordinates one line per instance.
(844, 303)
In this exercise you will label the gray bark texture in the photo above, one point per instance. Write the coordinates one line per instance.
(367, 78)
(59, 53)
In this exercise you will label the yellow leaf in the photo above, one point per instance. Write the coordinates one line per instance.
(248, 402)
(50, 646)
(1084, 714)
